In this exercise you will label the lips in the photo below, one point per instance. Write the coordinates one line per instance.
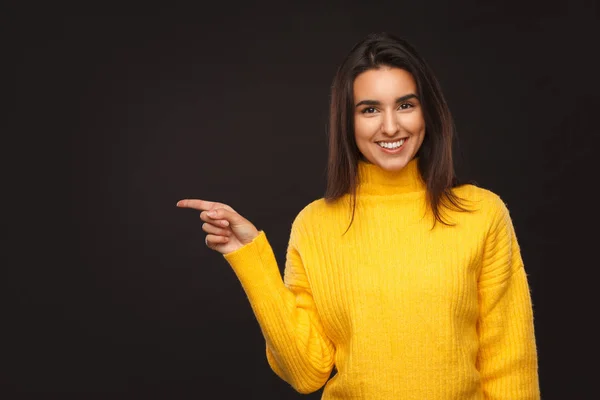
(395, 150)
(392, 141)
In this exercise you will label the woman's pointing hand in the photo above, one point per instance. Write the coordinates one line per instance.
(226, 230)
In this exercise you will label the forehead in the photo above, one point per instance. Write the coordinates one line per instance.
(384, 82)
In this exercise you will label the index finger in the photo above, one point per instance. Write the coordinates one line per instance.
(202, 205)
(196, 204)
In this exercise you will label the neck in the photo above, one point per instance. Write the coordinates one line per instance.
(374, 180)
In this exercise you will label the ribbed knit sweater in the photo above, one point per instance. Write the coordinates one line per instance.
(402, 311)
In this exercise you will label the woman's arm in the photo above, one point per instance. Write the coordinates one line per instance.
(507, 358)
(297, 349)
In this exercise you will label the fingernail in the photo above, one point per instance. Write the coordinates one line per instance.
(211, 213)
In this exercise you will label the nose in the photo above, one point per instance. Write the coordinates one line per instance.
(389, 124)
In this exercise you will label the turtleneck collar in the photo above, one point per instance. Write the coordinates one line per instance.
(374, 180)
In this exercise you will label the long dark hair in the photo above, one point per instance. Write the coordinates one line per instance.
(435, 162)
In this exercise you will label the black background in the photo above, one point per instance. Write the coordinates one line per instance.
(113, 293)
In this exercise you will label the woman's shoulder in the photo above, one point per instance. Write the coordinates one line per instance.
(320, 212)
(314, 209)
(308, 217)
(484, 199)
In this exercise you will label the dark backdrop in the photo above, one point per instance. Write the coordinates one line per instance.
(113, 293)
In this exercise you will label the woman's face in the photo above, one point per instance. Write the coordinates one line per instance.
(387, 112)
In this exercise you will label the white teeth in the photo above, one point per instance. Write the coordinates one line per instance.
(392, 145)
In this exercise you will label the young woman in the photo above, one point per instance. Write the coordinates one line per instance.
(402, 281)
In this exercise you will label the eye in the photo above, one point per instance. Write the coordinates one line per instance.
(405, 106)
(368, 110)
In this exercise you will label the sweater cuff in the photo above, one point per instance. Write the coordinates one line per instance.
(255, 266)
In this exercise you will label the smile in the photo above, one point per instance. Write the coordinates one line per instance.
(392, 147)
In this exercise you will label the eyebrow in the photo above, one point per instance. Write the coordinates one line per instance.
(377, 103)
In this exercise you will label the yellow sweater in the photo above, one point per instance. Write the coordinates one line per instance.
(402, 312)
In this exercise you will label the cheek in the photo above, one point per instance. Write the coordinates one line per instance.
(364, 127)
(414, 123)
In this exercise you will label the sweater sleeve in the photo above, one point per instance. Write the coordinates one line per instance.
(507, 357)
(297, 349)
